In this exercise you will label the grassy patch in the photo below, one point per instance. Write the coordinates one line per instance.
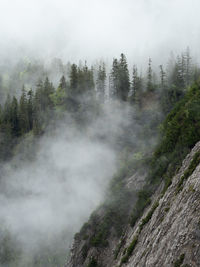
(149, 215)
(92, 263)
(191, 188)
(143, 201)
(129, 250)
(167, 209)
(194, 163)
(118, 248)
(179, 262)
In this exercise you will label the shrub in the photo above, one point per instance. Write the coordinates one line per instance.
(179, 262)
(149, 215)
(195, 161)
(129, 250)
(92, 263)
(142, 202)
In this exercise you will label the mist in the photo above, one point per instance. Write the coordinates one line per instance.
(49, 189)
(90, 29)
(54, 182)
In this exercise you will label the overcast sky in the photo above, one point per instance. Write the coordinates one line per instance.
(91, 29)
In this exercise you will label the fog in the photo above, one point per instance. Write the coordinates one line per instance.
(58, 189)
(49, 189)
(90, 29)
(50, 193)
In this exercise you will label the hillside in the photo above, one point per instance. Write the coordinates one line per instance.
(166, 235)
(162, 216)
(99, 133)
(99, 143)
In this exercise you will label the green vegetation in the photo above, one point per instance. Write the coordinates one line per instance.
(149, 215)
(118, 248)
(167, 209)
(92, 263)
(194, 163)
(179, 262)
(177, 139)
(180, 131)
(178, 134)
(143, 201)
(129, 250)
(27, 117)
(131, 247)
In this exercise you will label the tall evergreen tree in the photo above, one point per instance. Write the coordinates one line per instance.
(23, 112)
(48, 89)
(38, 97)
(163, 81)
(136, 87)
(88, 79)
(37, 111)
(149, 77)
(120, 79)
(124, 78)
(85, 81)
(101, 83)
(114, 79)
(30, 108)
(74, 81)
(63, 83)
(15, 126)
(178, 73)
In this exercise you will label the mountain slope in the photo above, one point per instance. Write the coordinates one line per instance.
(170, 237)
(168, 233)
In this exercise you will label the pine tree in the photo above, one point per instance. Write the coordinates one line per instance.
(120, 79)
(23, 113)
(37, 111)
(15, 127)
(175, 91)
(134, 84)
(136, 87)
(114, 79)
(162, 78)
(85, 81)
(123, 78)
(178, 73)
(30, 109)
(88, 81)
(74, 81)
(63, 83)
(101, 83)
(149, 77)
(38, 96)
(47, 90)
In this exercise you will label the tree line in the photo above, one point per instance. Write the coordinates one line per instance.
(88, 88)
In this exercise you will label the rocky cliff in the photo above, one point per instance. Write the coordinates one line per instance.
(168, 233)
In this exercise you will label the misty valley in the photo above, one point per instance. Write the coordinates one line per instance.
(99, 133)
(71, 136)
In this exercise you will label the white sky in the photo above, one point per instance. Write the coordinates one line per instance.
(91, 29)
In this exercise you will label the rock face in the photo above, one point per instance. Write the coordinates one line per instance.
(169, 237)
